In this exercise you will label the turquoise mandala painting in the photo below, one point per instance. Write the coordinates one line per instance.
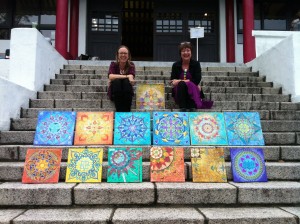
(124, 165)
(132, 128)
(55, 128)
(243, 128)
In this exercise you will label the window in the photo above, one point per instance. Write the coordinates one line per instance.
(169, 23)
(23, 13)
(106, 23)
(205, 20)
(274, 16)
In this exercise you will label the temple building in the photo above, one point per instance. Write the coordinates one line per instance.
(152, 29)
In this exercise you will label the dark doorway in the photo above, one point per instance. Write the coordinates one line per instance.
(137, 28)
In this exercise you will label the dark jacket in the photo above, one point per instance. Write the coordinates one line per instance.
(194, 68)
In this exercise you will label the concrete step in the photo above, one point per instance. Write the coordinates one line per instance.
(146, 193)
(277, 171)
(169, 104)
(264, 114)
(168, 89)
(272, 153)
(152, 214)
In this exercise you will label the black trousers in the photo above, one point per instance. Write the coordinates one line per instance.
(122, 94)
(184, 99)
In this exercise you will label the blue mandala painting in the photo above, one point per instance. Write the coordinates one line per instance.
(248, 165)
(171, 128)
(207, 128)
(132, 128)
(55, 128)
(243, 128)
(124, 165)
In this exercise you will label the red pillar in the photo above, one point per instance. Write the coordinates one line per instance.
(248, 26)
(230, 39)
(61, 33)
(74, 19)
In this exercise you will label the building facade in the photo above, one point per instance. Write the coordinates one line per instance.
(152, 29)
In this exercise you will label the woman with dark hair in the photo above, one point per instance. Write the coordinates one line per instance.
(121, 75)
(185, 78)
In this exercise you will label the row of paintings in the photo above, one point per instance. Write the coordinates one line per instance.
(125, 165)
(134, 128)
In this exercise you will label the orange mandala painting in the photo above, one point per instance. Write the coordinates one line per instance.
(167, 164)
(42, 166)
(94, 128)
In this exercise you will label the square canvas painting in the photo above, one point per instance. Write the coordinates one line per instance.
(150, 96)
(132, 128)
(167, 164)
(84, 165)
(207, 128)
(55, 128)
(243, 128)
(125, 165)
(208, 165)
(42, 166)
(94, 128)
(171, 128)
(248, 165)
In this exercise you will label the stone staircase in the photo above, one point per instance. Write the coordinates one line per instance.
(83, 88)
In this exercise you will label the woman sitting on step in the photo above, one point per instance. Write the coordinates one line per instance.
(185, 78)
(121, 79)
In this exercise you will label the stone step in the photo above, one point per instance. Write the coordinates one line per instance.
(141, 76)
(264, 114)
(168, 89)
(146, 193)
(152, 214)
(169, 104)
(271, 153)
(287, 171)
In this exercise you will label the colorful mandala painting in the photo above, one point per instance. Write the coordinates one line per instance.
(207, 128)
(124, 165)
(132, 128)
(243, 128)
(55, 128)
(42, 166)
(248, 165)
(208, 165)
(84, 165)
(150, 96)
(170, 128)
(167, 164)
(94, 128)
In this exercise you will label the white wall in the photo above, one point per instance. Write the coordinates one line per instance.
(33, 62)
(12, 98)
(82, 27)
(280, 63)
(4, 68)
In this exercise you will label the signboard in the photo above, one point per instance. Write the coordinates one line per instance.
(197, 32)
